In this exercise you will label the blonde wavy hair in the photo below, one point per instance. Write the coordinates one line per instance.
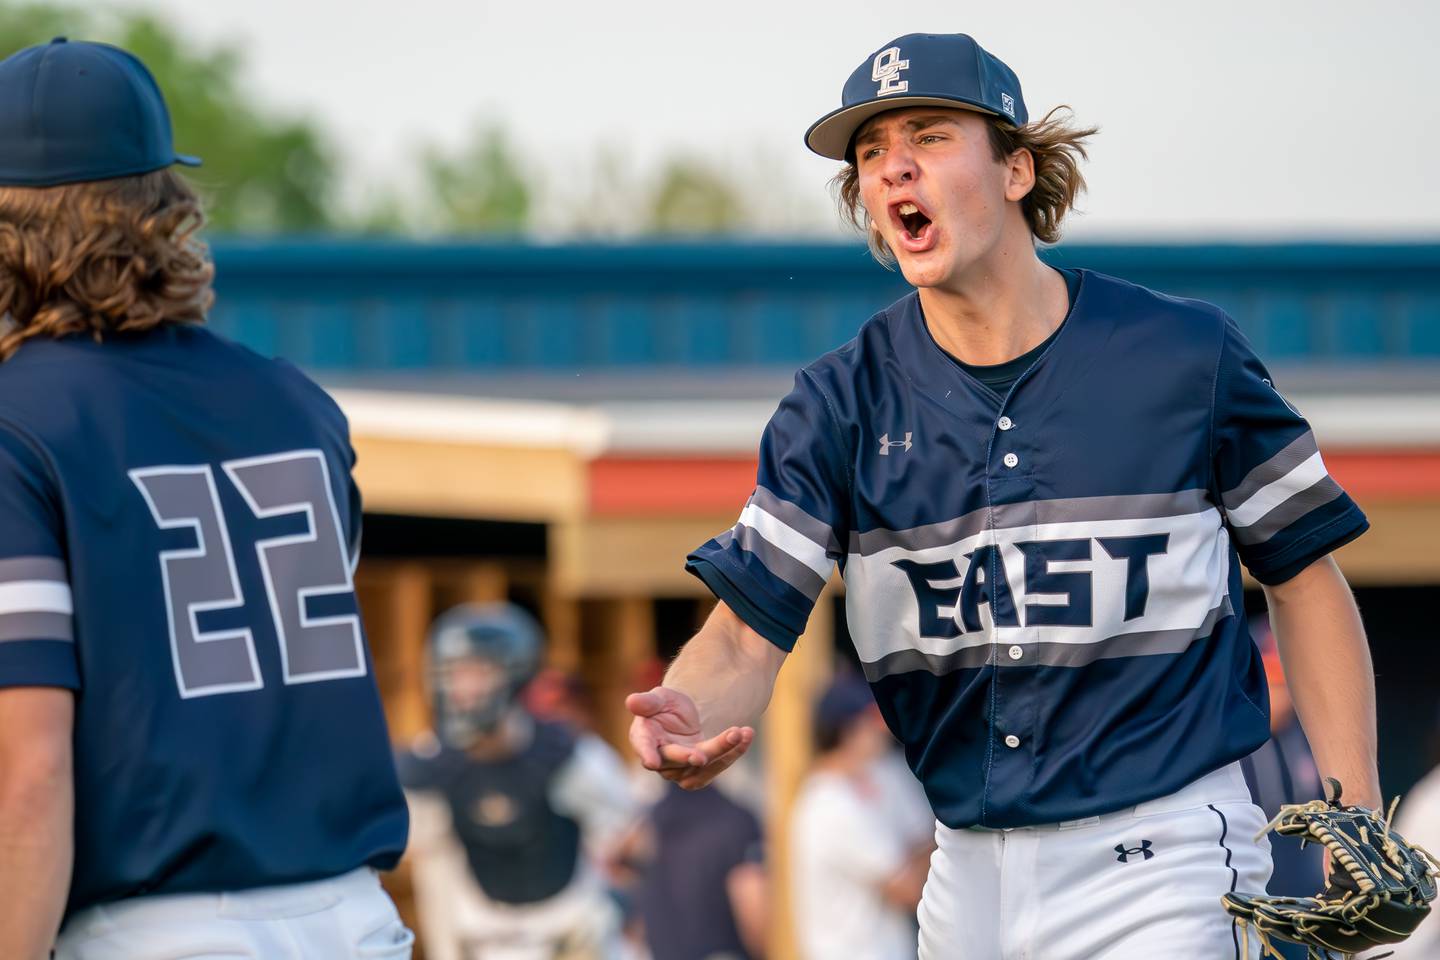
(102, 258)
(1054, 141)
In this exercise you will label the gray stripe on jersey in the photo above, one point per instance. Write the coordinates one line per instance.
(13, 569)
(1147, 643)
(797, 520)
(777, 561)
(32, 625)
(1299, 450)
(1318, 494)
(1143, 506)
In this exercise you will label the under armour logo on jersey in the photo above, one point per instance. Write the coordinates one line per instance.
(1125, 853)
(886, 443)
(886, 72)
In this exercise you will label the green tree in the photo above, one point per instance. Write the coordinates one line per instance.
(691, 197)
(482, 188)
(262, 172)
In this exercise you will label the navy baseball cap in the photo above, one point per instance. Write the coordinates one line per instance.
(847, 698)
(71, 112)
(919, 69)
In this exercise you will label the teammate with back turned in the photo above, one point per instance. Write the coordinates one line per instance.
(182, 665)
(1040, 485)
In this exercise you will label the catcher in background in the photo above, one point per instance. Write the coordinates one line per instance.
(1040, 485)
(509, 815)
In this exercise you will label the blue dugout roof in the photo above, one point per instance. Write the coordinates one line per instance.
(361, 308)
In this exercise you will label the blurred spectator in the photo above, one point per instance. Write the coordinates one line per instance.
(1280, 772)
(1419, 822)
(861, 833)
(509, 815)
(704, 895)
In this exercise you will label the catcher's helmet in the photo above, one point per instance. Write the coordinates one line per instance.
(481, 657)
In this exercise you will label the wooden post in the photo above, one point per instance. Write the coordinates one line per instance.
(789, 746)
(396, 603)
(619, 634)
(486, 582)
(562, 631)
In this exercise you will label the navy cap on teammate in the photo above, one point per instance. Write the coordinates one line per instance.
(72, 112)
(942, 70)
(846, 698)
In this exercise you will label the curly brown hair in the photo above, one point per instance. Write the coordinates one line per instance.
(101, 257)
(1057, 146)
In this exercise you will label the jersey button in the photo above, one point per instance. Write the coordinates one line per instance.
(1016, 652)
(1012, 741)
(1005, 423)
(1011, 460)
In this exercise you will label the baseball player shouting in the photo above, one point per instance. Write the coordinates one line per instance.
(193, 757)
(1040, 486)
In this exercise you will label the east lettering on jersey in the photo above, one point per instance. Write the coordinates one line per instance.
(1043, 585)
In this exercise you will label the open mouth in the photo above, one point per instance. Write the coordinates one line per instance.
(917, 232)
(912, 219)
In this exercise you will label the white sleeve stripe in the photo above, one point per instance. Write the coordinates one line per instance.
(796, 519)
(788, 540)
(1289, 457)
(1308, 473)
(35, 596)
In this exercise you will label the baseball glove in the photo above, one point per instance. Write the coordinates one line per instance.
(1380, 887)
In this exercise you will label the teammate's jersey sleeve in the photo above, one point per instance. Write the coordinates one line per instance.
(771, 566)
(594, 789)
(354, 534)
(37, 646)
(1283, 509)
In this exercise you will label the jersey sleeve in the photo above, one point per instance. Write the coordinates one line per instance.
(37, 640)
(771, 566)
(594, 788)
(355, 515)
(1283, 509)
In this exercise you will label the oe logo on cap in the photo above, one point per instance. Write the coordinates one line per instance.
(886, 72)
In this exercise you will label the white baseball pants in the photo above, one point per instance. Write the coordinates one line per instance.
(1136, 884)
(344, 918)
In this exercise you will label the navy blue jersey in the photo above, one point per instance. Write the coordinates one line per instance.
(1043, 587)
(180, 533)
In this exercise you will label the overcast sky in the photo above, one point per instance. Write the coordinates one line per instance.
(1229, 117)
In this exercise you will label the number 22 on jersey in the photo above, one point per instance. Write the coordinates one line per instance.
(295, 568)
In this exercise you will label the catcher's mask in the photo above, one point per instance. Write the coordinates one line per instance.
(481, 657)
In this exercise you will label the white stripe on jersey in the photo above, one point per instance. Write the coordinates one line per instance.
(35, 596)
(1301, 477)
(1186, 584)
(787, 539)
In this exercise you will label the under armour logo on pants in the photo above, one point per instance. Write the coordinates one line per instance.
(1125, 853)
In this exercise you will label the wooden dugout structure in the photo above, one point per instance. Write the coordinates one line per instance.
(623, 492)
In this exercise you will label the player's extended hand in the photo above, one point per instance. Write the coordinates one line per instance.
(666, 734)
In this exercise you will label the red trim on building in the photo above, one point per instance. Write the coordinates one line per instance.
(670, 486)
(1387, 474)
(661, 486)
